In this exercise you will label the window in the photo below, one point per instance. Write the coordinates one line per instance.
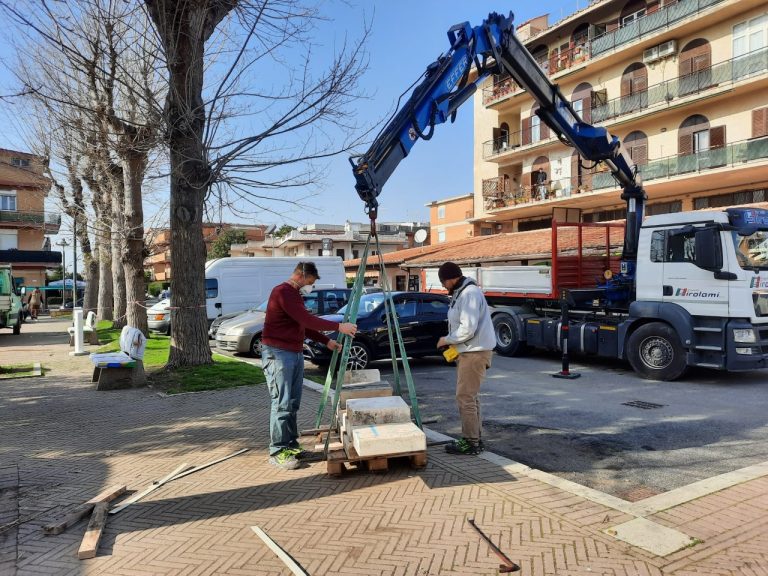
(400, 283)
(311, 303)
(673, 246)
(340, 253)
(441, 212)
(441, 235)
(405, 309)
(750, 35)
(433, 307)
(629, 18)
(8, 201)
(578, 107)
(319, 251)
(334, 301)
(9, 239)
(535, 128)
(23, 162)
(730, 199)
(700, 141)
(657, 246)
(355, 253)
(211, 288)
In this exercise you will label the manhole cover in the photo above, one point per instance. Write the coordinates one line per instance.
(642, 405)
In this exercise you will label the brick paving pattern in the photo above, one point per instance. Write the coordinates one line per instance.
(62, 442)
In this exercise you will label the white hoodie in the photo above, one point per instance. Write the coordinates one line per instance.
(470, 328)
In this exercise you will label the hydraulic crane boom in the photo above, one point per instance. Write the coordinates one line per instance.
(493, 48)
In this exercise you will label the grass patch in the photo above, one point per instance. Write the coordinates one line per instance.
(225, 372)
(9, 371)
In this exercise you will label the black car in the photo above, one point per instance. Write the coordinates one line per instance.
(423, 321)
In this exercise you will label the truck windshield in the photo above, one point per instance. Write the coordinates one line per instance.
(752, 250)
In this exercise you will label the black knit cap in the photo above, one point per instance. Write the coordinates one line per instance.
(448, 271)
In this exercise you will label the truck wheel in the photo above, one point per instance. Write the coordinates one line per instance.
(508, 342)
(17, 326)
(655, 352)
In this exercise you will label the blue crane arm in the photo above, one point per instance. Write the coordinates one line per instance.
(492, 48)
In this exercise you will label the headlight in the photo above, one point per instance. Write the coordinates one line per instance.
(744, 335)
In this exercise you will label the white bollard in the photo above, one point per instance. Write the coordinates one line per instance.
(78, 315)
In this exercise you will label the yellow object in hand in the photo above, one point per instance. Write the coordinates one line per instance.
(450, 354)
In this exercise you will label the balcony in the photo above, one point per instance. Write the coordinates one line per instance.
(722, 74)
(50, 222)
(493, 149)
(559, 60)
(648, 24)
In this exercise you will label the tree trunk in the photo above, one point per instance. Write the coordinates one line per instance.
(118, 247)
(106, 289)
(133, 256)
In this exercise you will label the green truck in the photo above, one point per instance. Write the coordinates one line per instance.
(10, 302)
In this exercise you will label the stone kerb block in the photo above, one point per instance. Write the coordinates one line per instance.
(364, 390)
(384, 410)
(362, 376)
(387, 439)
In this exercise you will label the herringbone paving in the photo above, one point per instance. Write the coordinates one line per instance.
(66, 442)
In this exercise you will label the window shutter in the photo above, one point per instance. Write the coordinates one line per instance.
(575, 173)
(526, 131)
(544, 130)
(496, 140)
(639, 154)
(759, 122)
(586, 109)
(685, 144)
(640, 81)
(626, 85)
(717, 137)
(686, 66)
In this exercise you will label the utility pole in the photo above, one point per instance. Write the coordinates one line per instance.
(64, 245)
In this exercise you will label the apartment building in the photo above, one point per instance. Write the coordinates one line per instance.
(451, 218)
(682, 83)
(24, 223)
(158, 263)
(344, 240)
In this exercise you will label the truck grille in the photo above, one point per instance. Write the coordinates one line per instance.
(762, 334)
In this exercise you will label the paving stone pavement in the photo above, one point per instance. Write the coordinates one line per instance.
(61, 442)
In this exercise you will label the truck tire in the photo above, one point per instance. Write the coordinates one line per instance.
(655, 352)
(17, 326)
(508, 342)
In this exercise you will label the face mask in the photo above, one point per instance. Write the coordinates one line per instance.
(306, 290)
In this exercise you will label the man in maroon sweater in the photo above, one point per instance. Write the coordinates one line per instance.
(286, 325)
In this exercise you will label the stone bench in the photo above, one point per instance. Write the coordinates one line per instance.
(123, 369)
(89, 330)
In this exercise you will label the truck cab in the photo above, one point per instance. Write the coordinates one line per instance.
(703, 273)
(10, 302)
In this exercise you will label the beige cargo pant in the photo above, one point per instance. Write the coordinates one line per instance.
(471, 367)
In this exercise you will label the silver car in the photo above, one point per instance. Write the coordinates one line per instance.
(159, 316)
(242, 333)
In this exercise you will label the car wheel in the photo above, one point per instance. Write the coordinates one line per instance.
(359, 356)
(655, 352)
(17, 326)
(168, 330)
(256, 346)
(508, 341)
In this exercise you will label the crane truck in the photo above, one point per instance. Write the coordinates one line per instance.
(688, 288)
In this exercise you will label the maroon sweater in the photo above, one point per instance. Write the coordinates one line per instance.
(287, 320)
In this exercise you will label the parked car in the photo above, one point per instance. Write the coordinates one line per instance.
(159, 316)
(423, 319)
(242, 333)
(68, 305)
(213, 329)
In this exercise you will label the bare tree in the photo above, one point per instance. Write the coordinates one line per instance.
(285, 128)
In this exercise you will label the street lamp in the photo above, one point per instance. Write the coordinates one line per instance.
(64, 244)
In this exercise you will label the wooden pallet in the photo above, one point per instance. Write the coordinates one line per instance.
(339, 459)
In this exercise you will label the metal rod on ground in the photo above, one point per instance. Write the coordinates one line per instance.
(287, 559)
(565, 322)
(508, 565)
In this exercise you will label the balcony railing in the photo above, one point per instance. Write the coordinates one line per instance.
(39, 218)
(721, 74)
(648, 24)
(557, 61)
(498, 195)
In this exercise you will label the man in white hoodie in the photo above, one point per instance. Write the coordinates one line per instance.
(470, 331)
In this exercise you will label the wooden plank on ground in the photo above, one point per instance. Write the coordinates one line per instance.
(292, 565)
(58, 526)
(90, 543)
(151, 488)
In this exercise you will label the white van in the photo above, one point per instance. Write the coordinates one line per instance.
(237, 284)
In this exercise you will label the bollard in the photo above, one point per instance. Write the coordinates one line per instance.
(564, 330)
(77, 313)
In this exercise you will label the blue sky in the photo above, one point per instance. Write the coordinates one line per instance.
(407, 35)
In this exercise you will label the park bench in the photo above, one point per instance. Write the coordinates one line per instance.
(124, 369)
(89, 330)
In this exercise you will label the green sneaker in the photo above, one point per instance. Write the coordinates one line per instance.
(464, 446)
(285, 460)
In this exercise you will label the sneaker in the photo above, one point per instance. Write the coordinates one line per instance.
(299, 452)
(464, 446)
(285, 460)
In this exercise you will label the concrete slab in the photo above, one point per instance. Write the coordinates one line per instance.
(364, 390)
(384, 410)
(650, 536)
(388, 439)
(362, 376)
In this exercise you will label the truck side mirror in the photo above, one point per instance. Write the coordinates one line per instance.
(709, 254)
